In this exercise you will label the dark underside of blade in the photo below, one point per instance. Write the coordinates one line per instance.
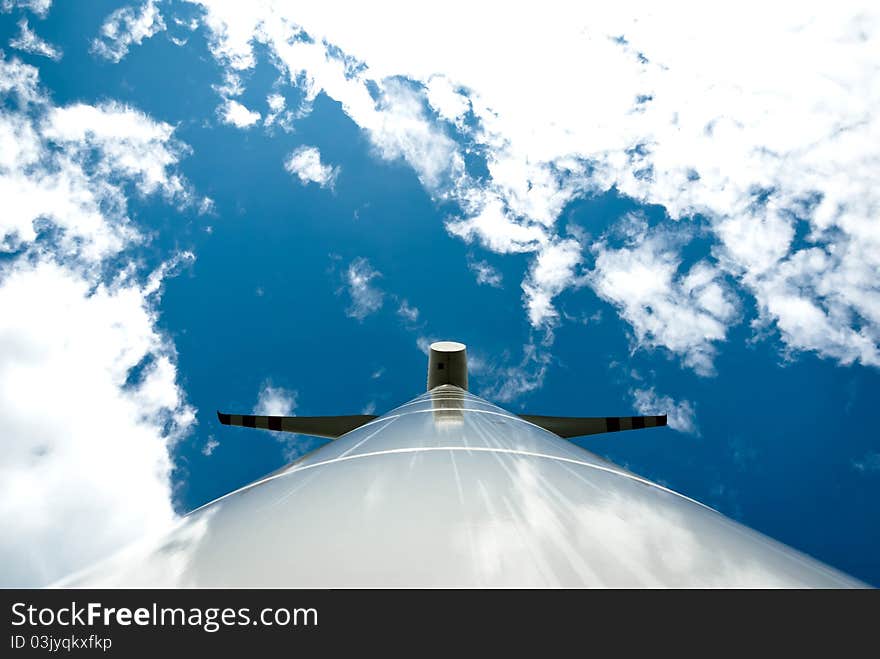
(319, 426)
(572, 426)
(336, 426)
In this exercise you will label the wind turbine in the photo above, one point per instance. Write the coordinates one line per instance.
(449, 489)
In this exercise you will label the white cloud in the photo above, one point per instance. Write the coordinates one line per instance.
(39, 7)
(275, 401)
(206, 206)
(685, 312)
(825, 299)
(127, 26)
(181, 27)
(399, 128)
(495, 228)
(485, 273)
(395, 120)
(128, 140)
(515, 382)
(868, 464)
(365, 297)
(504, 380)
(305, 163)
(68, 166)
(275, 102)
(278, 401)
(552, 271)
(88, 383)
(501, 378)
(28, 41)
(408, 312)
(231, 86)
(446, 100)
(21, 81)
(233, 112)
(86, 466)
(210, 445)
(680, 416)
(782, 134)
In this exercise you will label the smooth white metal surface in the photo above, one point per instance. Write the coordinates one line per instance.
(450, 490)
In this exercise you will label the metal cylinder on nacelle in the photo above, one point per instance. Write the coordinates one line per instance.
(447, 364)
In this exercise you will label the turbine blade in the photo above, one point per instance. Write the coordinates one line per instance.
(570, 426)
(319, 426)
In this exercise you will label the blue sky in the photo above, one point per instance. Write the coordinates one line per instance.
(616, 279)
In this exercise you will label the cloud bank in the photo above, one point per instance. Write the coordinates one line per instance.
(88, 383)
(773, 146)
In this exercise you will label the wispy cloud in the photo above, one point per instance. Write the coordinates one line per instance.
(507, 382)
(278, 401)
(408, 312)
(39, 7)
(127, 26)
(365, 297)
(485, 273)
(502, 378)
(867, 464)
(278, 112)
(28, 41)
(210, 445)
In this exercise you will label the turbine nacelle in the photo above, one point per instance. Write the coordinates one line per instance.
(447, 370)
